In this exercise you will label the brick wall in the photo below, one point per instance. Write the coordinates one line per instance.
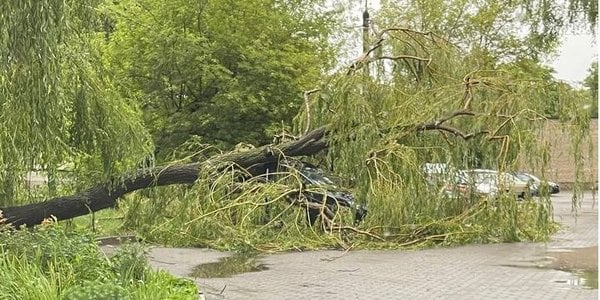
(561, 160)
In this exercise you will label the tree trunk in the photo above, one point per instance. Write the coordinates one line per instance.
(105, 195)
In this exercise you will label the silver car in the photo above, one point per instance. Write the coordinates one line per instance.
(491, 182)
(536, 183)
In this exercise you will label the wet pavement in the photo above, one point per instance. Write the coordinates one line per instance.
(564, 268)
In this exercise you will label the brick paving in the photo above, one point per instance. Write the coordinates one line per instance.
(492, 271)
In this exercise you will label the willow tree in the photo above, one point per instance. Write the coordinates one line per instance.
(58, 105)
(583, 10)
(450, 91)
(413, 97)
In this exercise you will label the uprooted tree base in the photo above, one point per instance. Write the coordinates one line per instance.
(105, 195)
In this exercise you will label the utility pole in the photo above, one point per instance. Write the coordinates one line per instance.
(365, 37)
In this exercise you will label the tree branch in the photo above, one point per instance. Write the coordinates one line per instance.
(364, 59)
(307, 106)
(105, 195)
(453, 130)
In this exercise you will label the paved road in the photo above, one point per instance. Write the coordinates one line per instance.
(498, 271)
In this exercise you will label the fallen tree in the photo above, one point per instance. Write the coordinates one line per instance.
(374, 132)
(254, 161)
(105, 195)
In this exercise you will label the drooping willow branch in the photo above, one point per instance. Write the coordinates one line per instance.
(455, 131)
(398, 57)
(468, 97)
(439, 125)
(105, 195)
(365, 58)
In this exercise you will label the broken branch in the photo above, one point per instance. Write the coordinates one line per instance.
(105, 195)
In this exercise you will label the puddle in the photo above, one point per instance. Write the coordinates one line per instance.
(586, 279)
(117, 240)
(574, 258)
(582, 263)
(229, 266)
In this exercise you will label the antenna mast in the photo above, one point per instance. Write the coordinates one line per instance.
(365, 37)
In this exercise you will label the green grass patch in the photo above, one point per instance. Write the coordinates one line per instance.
(51, 262)
(103, 223)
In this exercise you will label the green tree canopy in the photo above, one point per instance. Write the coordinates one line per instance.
(495, 32)
(584, 10)
(226, 71)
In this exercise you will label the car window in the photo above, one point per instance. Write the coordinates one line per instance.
(485, 177)
(534, 178)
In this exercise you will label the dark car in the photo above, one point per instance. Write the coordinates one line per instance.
(328, 199)
(536, 183)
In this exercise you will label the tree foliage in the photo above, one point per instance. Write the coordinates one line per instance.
(226, 71)
(591, 82)
(432, 103)
(58, 104)
(441, 81)
(443, 112)
(584, 10)
(492, 31)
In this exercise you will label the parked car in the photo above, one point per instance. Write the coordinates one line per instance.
(446, 179)
(330, 194)
(433, 171)
(453, 185)
(536, 183)
(491, 182)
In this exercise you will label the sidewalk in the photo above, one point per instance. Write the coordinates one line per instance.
(496, 271)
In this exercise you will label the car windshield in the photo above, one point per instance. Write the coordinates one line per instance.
(534, 178)
(524, 177)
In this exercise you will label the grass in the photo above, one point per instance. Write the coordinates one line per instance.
(52, 262)
(103, 223)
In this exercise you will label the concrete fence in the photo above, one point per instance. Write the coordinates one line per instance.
(562, 165)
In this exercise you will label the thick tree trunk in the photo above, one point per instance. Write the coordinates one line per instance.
(105, 195)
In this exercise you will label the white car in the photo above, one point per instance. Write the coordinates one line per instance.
(537, 183)
(491, 182)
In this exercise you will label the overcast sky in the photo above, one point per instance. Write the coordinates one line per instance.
(575, 56)
(571, 63)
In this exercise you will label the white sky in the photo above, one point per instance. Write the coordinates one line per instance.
(572, 60)
(575, 56)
